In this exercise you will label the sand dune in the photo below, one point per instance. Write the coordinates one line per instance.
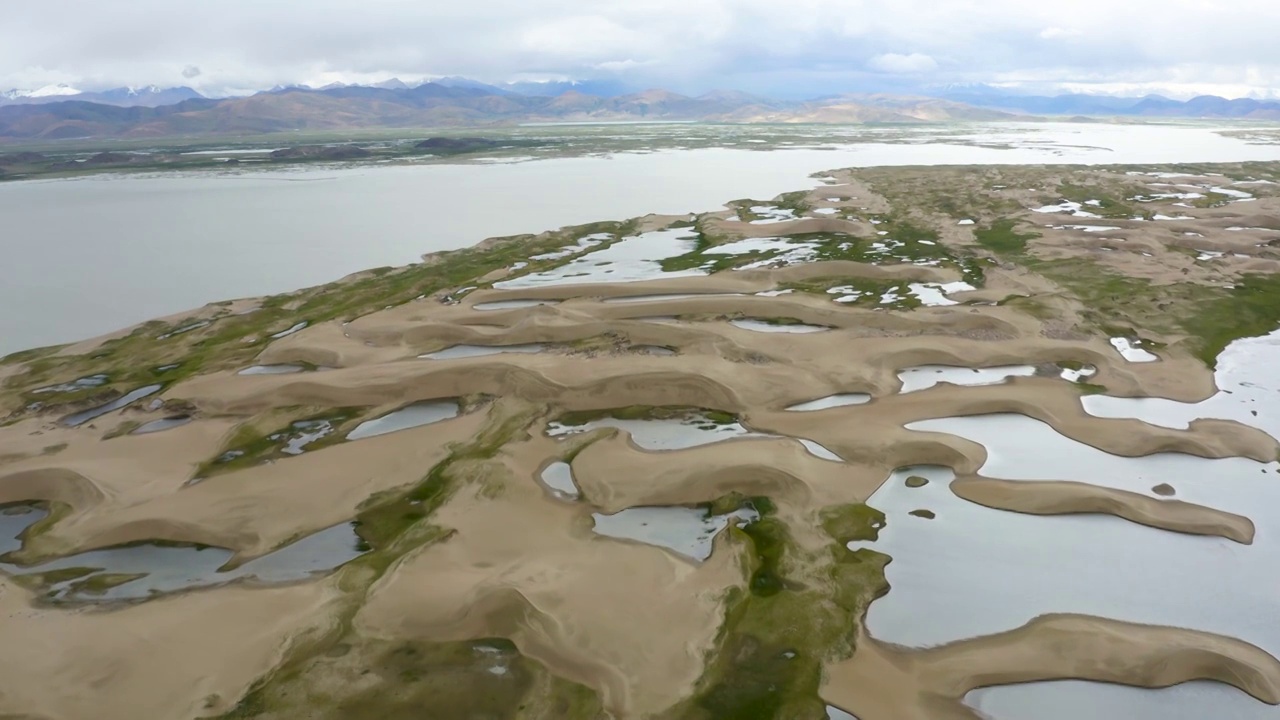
(886, 683)
(1065, 498)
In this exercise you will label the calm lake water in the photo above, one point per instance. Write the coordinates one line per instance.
(90, 255)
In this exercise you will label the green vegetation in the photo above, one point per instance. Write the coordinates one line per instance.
(852, 523)
(345, 676)
(1003, 238)
(926, 514)
(1105, 199)
(102, 582)
(407, 680)
(249, 446)
(232, 341)
(1251, 309)
(801, 610)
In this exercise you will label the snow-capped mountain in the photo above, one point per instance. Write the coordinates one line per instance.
(48, 91)
(149, 96)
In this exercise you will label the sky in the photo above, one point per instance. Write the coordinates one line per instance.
(782, 48)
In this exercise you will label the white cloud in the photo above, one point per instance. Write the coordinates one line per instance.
(819, 45)
(1055, 33)
(895, 63)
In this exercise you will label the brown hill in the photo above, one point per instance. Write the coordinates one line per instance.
(434, 105)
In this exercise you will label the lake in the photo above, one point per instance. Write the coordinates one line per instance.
(90, 255)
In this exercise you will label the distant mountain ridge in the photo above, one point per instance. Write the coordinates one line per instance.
(61, 112)
(1204, 106)
(150, 96)
(440, 105)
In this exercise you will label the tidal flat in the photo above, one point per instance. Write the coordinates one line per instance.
(812, 487)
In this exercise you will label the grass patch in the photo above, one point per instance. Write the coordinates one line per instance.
(1251, 309)
(773, 644)
(850, 523)
(1002, 237)
(249, 446)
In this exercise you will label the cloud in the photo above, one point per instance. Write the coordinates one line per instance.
(895, 63)
(1054, 33)
(190, 71)
(802, 45)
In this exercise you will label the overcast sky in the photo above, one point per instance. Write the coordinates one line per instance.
(781, 47)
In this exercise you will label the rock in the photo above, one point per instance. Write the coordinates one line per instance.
(1163, 490)
(915, 481)
(926, 514)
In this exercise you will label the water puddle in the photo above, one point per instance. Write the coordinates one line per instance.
(685, 531)
(831, 401)
(835, 713)
(923, 377)
(769, 327)
(935, 294)
(1074, 209)
(141, 571)
(512, 304)
(410, 416)
(162, 424)
(558, 477)
(458, 352)
(674, 433)
(185, 329)
(1085, 228)
(1132, 351)
(583, 243)
(300, 434)
(84, 383)
(819, 451)
(85, 416)
(1079, 374)
(286, 333)
(770, 214)
(271, 370)
(632, 259)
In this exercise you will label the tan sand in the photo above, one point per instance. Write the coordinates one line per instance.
(1065, 498)
(180, 657)
(884, 682)
(517, 563)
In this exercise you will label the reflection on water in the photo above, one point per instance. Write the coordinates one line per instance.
(410, 416)
(144, 570)
(81, 418)
(686, 531)
(107, 224)
(975, 571)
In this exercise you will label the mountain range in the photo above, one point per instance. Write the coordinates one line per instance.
(61, 112)
(441, 105)
(1204, 106)
(150, 96)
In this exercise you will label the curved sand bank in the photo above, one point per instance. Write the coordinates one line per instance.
(191, 655)
(1066, 498)
(883, 682)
